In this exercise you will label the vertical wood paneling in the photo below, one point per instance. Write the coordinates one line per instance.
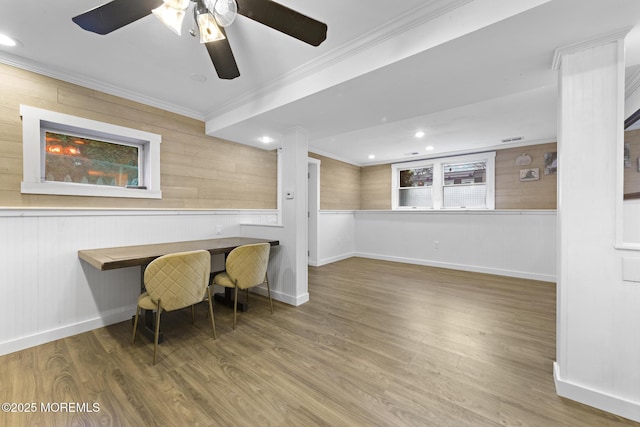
(518, 244)
(48, 292)
(336, 237)
(19, 277)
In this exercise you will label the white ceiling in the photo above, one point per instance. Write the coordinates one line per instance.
(469, 73)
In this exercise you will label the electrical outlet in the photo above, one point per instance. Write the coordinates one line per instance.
(436, 244)
(218, 229)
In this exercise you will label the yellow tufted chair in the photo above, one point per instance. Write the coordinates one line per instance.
(246, 267)
(172, 282)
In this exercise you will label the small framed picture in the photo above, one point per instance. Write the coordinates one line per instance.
(551, 163)
(532, 174)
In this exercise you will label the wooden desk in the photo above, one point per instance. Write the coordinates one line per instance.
(142, 255)
(131, 256)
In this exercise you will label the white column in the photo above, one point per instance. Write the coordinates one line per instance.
(598, 338)
(294, 214)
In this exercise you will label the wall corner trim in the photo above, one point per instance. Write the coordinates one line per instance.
(597, 399)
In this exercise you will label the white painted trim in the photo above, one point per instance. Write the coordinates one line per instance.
(438, 186)
(68, 212)
(460, 212)
(333, 259)
(423, 13)
(279, 296)
(611, 37)
(597, 399)
(98, 85)
(462, 267)
(34, 123)
(115, 316)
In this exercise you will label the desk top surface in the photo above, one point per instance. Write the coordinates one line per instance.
(129, 256)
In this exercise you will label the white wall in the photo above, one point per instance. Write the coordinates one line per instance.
(598, 316)
(510, 243)
(335, 237)
(48, 293)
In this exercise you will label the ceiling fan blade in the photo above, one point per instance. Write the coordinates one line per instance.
(285, 20)
(115, 14)
(222, 58)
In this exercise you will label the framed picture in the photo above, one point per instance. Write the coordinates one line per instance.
(532, 174)
(551, 163)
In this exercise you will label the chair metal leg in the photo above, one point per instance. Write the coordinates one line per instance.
(235, 307)
(193, 314)
(155, 338)
(135, 325)
(266, 279)
(213, 322)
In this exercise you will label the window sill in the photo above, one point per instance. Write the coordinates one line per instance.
(67, 189)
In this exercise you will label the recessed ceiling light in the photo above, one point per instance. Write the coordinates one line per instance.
(419, 134)
(265, 139)
(7, 41)
(372, 156)
(429, 148)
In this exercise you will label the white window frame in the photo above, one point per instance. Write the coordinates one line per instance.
(438, 179)
(36, 121)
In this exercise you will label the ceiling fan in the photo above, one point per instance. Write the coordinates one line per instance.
(211, 16)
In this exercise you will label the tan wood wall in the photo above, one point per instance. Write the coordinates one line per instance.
(339, 184)
(511, 193)
(197, 171)
(376, 187)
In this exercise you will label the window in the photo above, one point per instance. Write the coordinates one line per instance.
(461, 182)
(68, 155)
(415, 187)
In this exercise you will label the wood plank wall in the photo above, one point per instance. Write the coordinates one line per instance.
(197, 171)
(511, 193)
(376, 187)
(339, 184)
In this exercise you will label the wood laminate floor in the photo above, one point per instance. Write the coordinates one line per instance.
(379, 344)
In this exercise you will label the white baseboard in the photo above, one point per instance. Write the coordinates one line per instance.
(115, 316)
(278, 296)
(462, 267)
(606, 402)
(333, 259)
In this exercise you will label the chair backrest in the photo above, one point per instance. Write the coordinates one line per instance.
(247, 265)
(178, 280)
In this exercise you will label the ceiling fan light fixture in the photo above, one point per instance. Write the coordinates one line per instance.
(209, 31)
(225, 11)
(171, 13)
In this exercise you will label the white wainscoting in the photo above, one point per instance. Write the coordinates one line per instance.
(48, 293)
(510, 243)
(336, 236)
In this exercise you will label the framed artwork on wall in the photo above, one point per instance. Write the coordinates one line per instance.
(551, 163)
(532, 174)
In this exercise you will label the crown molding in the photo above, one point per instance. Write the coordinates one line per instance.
(427, 11)
(588, 44)
(97, 85)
